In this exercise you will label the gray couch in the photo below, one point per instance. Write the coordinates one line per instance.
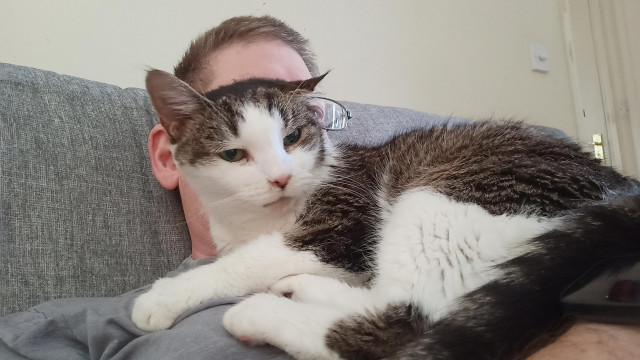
(81, 213)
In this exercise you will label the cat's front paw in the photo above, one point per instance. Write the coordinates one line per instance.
(309, 288)
(299, 329)
(158, 308)
(254, 319)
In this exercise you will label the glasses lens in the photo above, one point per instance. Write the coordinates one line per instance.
(331, 115)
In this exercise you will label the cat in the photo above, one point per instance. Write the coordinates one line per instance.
(450, 242)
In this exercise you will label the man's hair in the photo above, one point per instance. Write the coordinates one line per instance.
(241, 29)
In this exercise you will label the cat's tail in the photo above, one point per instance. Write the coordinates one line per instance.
(503, 317)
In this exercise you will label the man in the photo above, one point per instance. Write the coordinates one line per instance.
(237, 49)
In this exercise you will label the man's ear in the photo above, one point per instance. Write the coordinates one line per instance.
(162, 164)
(176, 103)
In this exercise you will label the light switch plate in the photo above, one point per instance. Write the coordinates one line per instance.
(539, 58)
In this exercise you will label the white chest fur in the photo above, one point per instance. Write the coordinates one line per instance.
(434, 249)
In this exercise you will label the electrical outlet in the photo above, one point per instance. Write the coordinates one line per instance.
(539, 58)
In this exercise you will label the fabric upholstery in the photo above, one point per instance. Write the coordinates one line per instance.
(82, 214)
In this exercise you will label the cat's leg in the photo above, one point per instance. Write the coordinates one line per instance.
(251, 268)
(377, 335)
(297, 328)
(312, 331)
(322, 313)
(326, 291)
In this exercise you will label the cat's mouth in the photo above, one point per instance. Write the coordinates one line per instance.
(279, 204)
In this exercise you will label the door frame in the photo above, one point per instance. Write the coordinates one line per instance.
(605, 79)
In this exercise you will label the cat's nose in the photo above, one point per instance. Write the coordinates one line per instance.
(281, 181)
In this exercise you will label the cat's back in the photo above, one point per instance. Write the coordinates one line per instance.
(506, 167)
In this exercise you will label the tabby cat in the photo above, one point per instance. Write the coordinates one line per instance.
(443, 243)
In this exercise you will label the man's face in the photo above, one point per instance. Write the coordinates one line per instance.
(266, 59)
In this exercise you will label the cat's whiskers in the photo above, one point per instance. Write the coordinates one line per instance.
(351, 182)
(214, 108)
(229, 199)
(217, 203)
(222, 249)
(348, 181)
(291, 95)
(346, 190)
(202, 212)
(334, 176)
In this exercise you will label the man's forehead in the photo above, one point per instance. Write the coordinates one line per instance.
(259, 59)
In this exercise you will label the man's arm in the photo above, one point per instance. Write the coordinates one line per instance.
(593, 341)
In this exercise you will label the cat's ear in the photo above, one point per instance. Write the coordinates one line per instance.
(306, 86)
(176, 103)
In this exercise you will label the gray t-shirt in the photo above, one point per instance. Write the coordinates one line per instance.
(101, 328)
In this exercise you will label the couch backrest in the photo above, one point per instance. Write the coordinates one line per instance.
(81, 213)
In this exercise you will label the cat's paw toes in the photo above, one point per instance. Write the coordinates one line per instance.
(307, 288)
(158, 308)
(292, 287)
(254, 319)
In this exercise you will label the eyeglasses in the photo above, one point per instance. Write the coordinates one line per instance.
(331, 114)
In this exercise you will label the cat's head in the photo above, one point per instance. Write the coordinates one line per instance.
(257, 144)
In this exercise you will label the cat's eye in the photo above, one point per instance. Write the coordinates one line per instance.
(232, 155)
(292, 138)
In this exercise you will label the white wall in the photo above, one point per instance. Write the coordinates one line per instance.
(465, 58)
